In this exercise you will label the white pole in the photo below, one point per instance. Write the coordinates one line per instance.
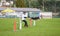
(34, 23)
(20, 25)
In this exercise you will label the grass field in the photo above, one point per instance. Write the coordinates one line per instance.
(44, 27)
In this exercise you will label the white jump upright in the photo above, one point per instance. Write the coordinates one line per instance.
(34, 23)
(20, 25)
(20, 20)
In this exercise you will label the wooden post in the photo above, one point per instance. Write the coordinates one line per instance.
(30, 22)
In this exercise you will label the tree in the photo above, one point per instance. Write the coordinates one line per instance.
(20, 3)
(34, 4)
(40, 3)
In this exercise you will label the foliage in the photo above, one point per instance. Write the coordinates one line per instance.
(51, 5)
(20, 3)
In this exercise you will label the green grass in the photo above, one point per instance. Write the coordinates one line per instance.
(44, 27)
